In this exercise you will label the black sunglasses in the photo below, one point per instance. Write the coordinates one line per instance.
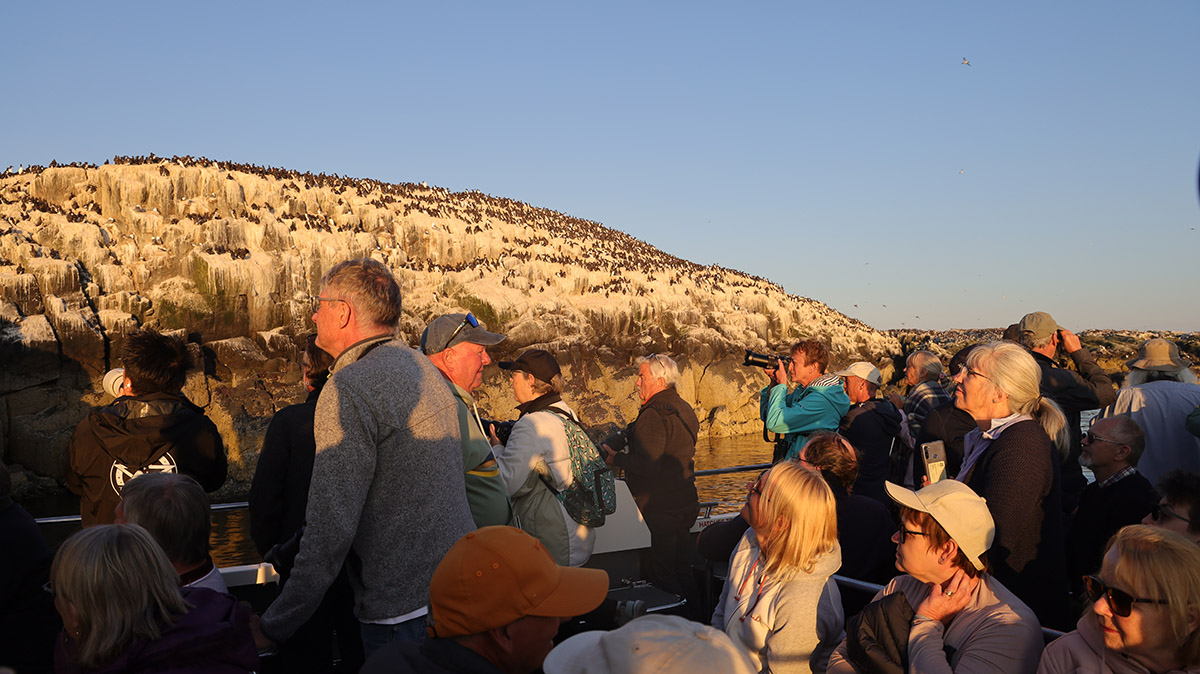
(1119, 602)
(1160, 511)
(468, 320)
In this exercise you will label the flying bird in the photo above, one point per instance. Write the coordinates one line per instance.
(966, 62)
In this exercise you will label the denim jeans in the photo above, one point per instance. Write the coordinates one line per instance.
(375, 636)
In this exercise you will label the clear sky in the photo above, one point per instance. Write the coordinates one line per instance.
(840, 149)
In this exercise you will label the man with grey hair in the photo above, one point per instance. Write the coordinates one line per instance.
(457, 346)
(175, 510)
(1159, 393)
(387, 480)
(1088, 388)
(661, 473)
(1120, 496)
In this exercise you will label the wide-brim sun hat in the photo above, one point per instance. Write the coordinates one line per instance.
(1160, 355)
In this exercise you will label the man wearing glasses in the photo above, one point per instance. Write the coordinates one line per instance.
(1088, 389)
(387, 484)
(457, 346)
(1120, 496)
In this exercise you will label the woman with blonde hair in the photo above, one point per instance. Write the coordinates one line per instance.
(1145, 611)
(123, 610)
(1012, 460)
(780, 603)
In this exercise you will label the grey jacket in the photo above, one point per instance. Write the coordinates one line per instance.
(387, 486)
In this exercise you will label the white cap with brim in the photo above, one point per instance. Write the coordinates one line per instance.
(863, 370)
(961, 512)
(650, 644)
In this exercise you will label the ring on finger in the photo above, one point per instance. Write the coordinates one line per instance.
(948, 593)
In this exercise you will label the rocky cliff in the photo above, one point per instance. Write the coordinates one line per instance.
(229, 255)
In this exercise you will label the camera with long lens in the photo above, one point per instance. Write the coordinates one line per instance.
(765, 360)
(618, 441)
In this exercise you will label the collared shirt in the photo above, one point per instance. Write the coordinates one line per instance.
(978, 441)
(1129, 470)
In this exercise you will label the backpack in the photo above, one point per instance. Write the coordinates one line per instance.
(592, 493)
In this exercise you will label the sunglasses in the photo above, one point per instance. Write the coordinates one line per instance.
(1119, 602)
(1092, 437)
(1161, 511)
(468, 320)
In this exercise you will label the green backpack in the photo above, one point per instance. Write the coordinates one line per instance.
(592, 494)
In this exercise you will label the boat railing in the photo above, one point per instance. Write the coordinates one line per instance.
(68, 519)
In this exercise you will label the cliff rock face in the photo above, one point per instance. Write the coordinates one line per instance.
(230, 255)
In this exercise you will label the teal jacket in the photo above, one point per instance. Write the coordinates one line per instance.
(819, 406)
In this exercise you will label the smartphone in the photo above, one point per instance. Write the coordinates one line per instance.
(934, 454)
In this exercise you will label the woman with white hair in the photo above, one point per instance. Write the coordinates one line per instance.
(1012, 460)
(1145, 612)
(1159, 393)
(123, 611)
(780, 603)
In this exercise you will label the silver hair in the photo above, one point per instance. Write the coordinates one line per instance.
(1012, 369)
(927, 363)
(661, 367)
(1138, 376)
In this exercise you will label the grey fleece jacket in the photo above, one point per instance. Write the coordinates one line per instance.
(387, 485)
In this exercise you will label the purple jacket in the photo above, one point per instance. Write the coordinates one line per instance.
(212, 638)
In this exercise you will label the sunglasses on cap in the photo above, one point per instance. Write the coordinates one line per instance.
(470, 320)
(1119, 602)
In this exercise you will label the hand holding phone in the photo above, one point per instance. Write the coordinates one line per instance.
(934, 454)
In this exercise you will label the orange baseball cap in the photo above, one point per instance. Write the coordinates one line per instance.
(496, 575)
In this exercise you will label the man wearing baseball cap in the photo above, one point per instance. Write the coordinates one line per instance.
(960, 615)
(457, 346)
(872, 426)
(495, 604)
(1088, 388)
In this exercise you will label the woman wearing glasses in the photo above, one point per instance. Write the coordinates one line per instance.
(953, 615)
(1012, 461)
(780, 603)
(1145, 612)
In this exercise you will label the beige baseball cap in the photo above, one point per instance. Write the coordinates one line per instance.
(863, 370)
(650, 644)
(961, 512)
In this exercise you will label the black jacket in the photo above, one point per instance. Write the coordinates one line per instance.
(279, 492)
(1101, 513)
(873, 428)
(153, 432)
(660, 468)
(1074, 394)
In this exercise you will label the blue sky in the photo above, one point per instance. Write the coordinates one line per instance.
(839, 149)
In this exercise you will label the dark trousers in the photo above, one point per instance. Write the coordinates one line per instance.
(311, 649)
(668, 562)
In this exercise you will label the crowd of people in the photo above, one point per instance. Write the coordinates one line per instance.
(413, 536)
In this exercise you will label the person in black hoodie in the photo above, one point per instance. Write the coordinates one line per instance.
(660, 471)
(151, 427)
(873, 426)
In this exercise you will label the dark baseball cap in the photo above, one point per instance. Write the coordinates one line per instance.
(541, 364)
(453, 329)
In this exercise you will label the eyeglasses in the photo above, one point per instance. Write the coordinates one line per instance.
(1119, 602)
(1092, 437)
(49, 589)
(975, 373)
(316, 302)
(905, 533)
(1160, 511)
(468, 320)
